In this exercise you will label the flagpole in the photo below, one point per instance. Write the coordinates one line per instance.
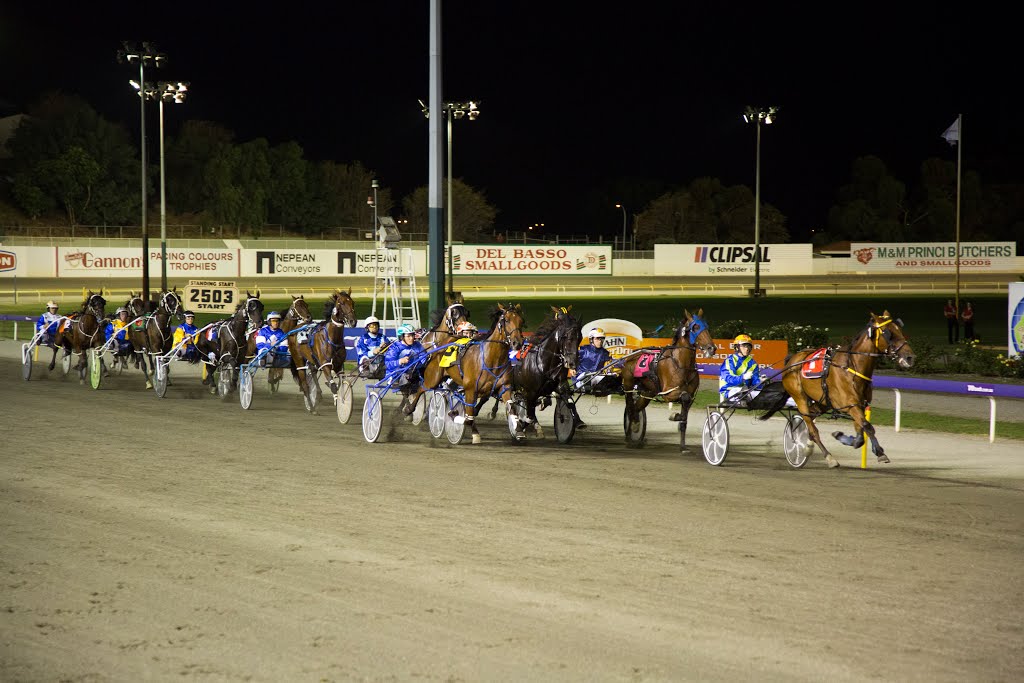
(959, 158)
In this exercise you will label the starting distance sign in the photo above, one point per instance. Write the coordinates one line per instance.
(211, 295)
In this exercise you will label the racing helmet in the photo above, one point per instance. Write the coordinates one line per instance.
(466, 327)
(741, 339)
(596, 333)
(405, 329)
(273, 315)
(122, 309)
(371, 320)
(189, 314)
(52, 304)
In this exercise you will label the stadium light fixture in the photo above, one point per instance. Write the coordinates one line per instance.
(757, 116)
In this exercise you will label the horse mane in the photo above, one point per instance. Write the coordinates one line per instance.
(496, 312)
(552, 323)
(678, 334)
(329, 304)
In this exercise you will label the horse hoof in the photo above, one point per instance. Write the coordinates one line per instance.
(675, 417)
(476, 439)
(149, 385)
(832, 462)
(883, 458)
(538, 431)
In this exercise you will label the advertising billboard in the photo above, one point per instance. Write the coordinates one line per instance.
(714, 260)
(562, 259)
(920, 257)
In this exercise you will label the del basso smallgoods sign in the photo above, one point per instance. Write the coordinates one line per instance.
(490, 259)
(127, 262)
(910, 257)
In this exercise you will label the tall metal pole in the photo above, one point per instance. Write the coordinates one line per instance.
(435, 266)
(757, 214)
(448, 205)
(163, 206)
(959, 158)
(145, 230)
(621, 206)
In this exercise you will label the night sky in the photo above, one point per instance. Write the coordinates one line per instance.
(574, 99)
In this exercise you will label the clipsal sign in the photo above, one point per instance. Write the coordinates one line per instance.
(8, 261)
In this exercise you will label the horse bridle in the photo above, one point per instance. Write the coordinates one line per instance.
(349, 315)
(561, 353)
(878, 331)
(292, 312)
(171, 296)
(504, 328)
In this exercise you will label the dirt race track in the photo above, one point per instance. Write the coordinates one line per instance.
(149, 539)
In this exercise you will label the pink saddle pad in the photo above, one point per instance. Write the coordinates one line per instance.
(644, 362)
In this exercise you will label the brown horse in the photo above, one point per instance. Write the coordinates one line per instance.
(84, 332)
(297, 315)
(445, 323)
(843, 384)
(325, 348)
(227, 344)
(671, 375)
(156, 338)
(544, 365)
(137, 308)
(481, 368)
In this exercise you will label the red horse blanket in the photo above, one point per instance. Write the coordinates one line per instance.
(814, 366)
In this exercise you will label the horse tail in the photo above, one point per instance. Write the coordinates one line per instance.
(778, 405)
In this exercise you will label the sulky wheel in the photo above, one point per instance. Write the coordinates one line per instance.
(565, 420)
(455, 424)
(65, 362)
(94, 361)
(635, 439)
(26, 362)
(226, 378)
(160, 377)
(343, 402)
(311, 394)
(373, 415)
(437, 413)
(245, 382)
(715, 438)
(796, 441)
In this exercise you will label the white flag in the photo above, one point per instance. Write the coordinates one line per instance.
(952, 134)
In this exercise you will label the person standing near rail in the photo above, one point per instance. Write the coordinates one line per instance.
(952, 324)
(968, 319)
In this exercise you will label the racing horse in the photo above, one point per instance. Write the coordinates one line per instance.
(155, 337)
(444, 324)
(669, 374)
(546, 360)
(838, 380)
(297, 315)
(324, 349)
(84, 332)
(480, 368)
(226, 343)
(137, 308)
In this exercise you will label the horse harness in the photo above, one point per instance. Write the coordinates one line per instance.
(875, 331)
(688, 330)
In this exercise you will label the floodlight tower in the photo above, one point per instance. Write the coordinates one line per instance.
(757, 115)
(145, 56)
